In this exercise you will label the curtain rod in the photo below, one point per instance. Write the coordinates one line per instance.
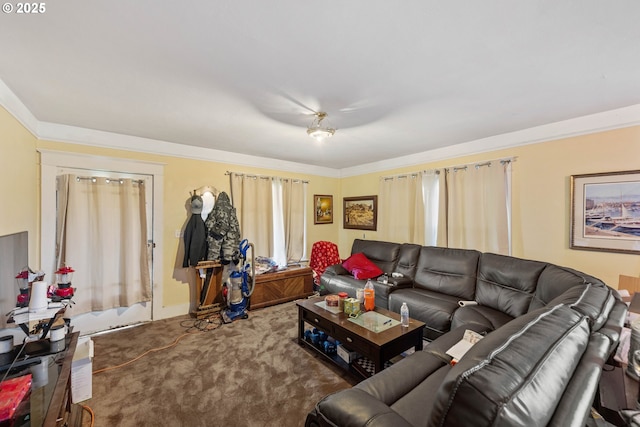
(108, 180)
(478, 165)
(410, 174)
(455, 168)
(255, 175)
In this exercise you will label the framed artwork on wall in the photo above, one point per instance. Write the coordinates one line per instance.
(360, 213)
(605, 212)
(323, 206)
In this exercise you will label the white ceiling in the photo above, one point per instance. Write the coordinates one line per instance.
(396, 78)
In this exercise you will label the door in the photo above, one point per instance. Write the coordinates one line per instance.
(123, 316)
(54, 163)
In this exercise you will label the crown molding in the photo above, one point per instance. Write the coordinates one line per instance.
(599, 122)
(15, 107)
(97, 138)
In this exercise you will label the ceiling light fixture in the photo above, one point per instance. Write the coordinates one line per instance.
(317, 131)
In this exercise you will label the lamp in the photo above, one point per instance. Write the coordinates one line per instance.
(63, 279)
(317, 131)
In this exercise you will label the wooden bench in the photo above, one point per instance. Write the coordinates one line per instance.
(282, 286)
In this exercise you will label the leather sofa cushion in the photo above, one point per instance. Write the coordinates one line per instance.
(389, 398)
(383, 254)
(433, 308)
(441, 345)
(488, 317)
(408, 260)
(408, 385)
(506, 283)
(448, 271)
(391, 384)
(517, 374)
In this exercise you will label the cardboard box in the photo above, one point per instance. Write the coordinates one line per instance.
(82, 371)
(630, 284)
(346, 355)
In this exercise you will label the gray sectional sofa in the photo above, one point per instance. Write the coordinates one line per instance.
(548, 332)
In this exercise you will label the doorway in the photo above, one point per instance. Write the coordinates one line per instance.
(55, 164)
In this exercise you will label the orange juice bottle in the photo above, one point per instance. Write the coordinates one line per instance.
(369, 296)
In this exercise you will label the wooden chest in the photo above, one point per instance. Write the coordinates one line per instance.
(282, 286)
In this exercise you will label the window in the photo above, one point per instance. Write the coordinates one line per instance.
(272, 215)
(462, 207)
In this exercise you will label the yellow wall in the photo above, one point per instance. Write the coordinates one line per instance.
(541, 193)
(19, 186)
(541, 207)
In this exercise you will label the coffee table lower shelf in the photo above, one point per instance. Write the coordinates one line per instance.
(376, 348)
(332, 358)
(357, 368)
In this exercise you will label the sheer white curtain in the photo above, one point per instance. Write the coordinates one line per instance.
(252, 196)
(479, 207)
(435, 207)
(401, 213)
(279, 250)
(102, 234)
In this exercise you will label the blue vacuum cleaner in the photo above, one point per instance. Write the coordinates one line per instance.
(240, 285)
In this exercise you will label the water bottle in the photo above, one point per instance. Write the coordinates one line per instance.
(404, 315)
(369, 296)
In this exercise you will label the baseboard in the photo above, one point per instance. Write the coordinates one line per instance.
(171, 311)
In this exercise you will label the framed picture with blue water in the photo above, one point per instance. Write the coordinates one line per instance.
(605, 211)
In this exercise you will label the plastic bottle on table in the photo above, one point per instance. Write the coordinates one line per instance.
(369, 296)
(404, 315)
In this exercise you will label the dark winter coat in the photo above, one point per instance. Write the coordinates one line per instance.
(195, 241)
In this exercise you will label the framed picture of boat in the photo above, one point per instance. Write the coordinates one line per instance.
(605, 212)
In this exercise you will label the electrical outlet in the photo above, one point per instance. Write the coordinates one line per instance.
(178, 234)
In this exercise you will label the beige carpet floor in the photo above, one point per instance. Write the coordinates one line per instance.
(248, 373)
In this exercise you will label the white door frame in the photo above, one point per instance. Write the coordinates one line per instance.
(51, 162)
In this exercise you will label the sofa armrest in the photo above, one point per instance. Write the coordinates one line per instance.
(336, 270)
(351, 408)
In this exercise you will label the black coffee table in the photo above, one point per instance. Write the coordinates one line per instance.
(378, 347)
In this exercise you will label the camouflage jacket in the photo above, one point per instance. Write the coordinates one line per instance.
(223, 230)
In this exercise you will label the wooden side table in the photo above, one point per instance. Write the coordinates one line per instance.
(208, 293)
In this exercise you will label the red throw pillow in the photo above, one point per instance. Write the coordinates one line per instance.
(361, 267)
